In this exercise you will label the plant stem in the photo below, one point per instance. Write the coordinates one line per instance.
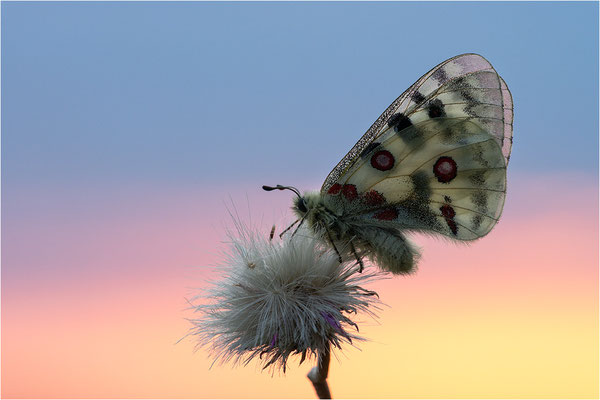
(318, 375)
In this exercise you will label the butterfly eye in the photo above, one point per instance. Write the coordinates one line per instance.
(301, 205)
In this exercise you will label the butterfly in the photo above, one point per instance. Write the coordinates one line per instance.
(434, 162)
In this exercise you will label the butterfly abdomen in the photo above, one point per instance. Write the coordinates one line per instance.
(389, 249)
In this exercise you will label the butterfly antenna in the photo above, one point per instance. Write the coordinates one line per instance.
(293, 189)
(279, 187)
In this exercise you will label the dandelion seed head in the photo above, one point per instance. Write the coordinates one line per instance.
(280, 298)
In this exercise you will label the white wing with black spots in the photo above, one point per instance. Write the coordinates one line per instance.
(446, 175)
(466, 86)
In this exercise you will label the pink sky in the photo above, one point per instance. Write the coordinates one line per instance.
(93, 302)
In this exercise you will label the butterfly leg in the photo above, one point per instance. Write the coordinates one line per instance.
(358, 259)
(333, 244)
(299, 225)
(288, 228)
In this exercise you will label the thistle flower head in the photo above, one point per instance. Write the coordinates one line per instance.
(279, 298)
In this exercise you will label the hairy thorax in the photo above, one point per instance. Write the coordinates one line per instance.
(318, 216)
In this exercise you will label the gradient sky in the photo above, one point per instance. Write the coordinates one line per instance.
(127, 127)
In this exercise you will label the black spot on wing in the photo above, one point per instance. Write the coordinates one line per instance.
(440, 75)
(412, 137)
(476, 221)
(415, 210)
(479, 199)
(467, 96)
(417, 97)
(408, 132)
(470, 102)
(420, 182)
(477, 156)
(458, 83)
(435, 109)
(399, 122)
(477, 178)
(415, 215)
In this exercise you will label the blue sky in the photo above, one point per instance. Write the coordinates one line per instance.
(126, 126)
(193, 93)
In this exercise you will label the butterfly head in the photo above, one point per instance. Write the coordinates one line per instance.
(300, 205)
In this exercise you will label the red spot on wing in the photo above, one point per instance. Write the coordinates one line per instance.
(448, 213)
(452, 226)
(383, 160)
(335, 189)
(374, 198)
(389, 214)
(349, 192)
(445, 169)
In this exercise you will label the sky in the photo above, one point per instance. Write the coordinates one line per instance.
(128, 128)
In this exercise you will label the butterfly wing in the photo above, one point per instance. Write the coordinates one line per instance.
(465, 85)
(446, 175)
(436, 159)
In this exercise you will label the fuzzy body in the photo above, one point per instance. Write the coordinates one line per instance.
(384, 245)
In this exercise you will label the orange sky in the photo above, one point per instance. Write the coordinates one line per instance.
(514, 315)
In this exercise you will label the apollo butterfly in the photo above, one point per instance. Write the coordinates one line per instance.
(434, 161)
